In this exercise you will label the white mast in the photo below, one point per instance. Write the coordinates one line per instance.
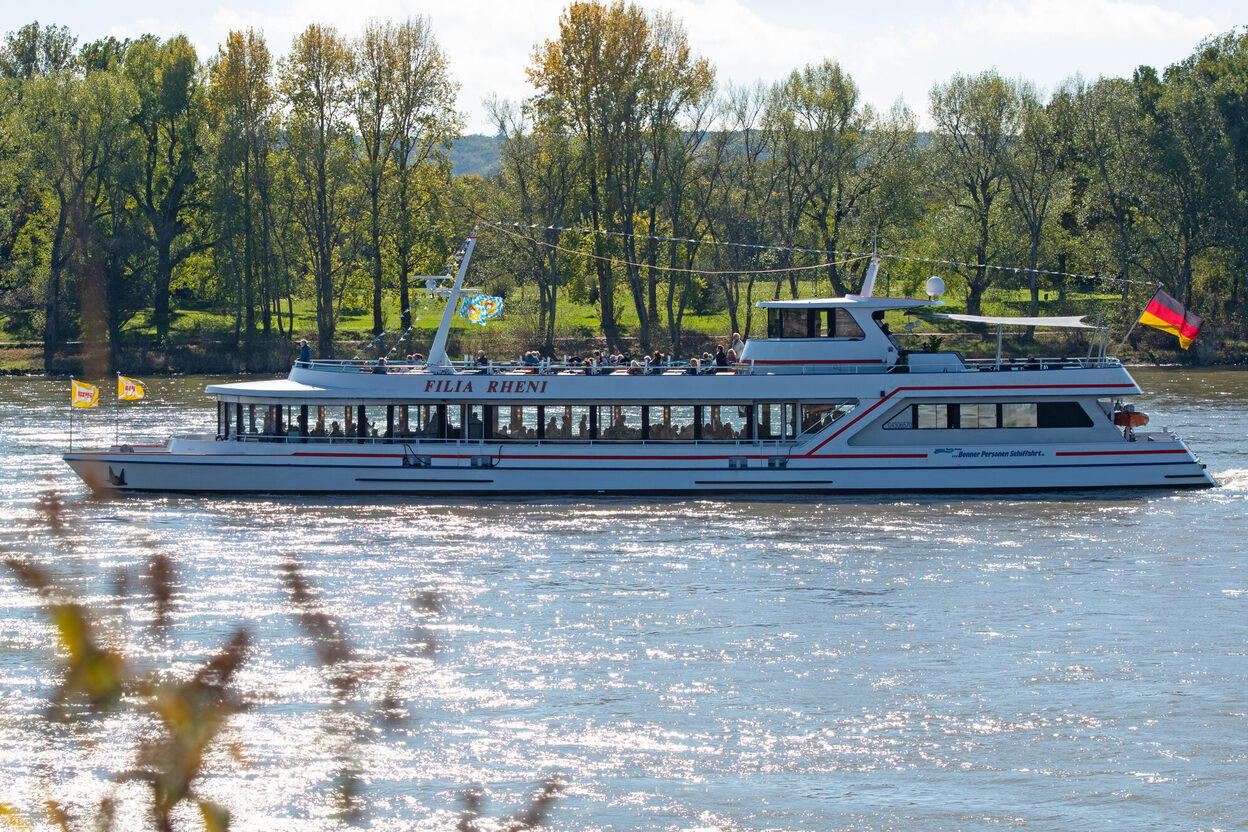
(437, 353)
(868, 282)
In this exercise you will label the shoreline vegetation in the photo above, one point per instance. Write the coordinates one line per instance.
(163, 211)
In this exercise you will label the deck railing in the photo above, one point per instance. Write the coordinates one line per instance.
(685, 368)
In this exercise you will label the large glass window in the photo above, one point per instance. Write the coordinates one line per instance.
(567, 422)
(725, 422)
(930, 416)
(1018, 415)
(816, 417)
(515, 422)
(776, 420)
(672, 422)
(842, 325)
(619, 422)
(980, 416)
(973, 416)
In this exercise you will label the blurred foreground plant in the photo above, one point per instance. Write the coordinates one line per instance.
(189, 715)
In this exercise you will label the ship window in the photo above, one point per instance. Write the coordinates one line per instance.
(795, 323)
(775, 421)
(977, 415)
(567, 422)
(725, 422)
(619, 422)
(1062, 415)
(816, 417)
(515, 422)
(931, 416)
(671, 422)
(1018, 415)
(475, 421)
(842, 325)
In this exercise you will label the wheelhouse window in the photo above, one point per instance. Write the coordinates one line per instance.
(842, 325)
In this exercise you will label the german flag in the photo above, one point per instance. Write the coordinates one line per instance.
(1167, 314)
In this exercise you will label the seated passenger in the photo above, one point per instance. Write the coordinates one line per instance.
(335, 429)
(380, 366)
(732, 358)
(693, 367)
(635, 368)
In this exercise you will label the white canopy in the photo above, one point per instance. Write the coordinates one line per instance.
(1070, 322)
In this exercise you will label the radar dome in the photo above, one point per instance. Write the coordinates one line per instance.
(935, 286)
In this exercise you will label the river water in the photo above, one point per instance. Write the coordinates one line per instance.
(1056, 662)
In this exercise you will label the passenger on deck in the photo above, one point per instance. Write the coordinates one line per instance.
(305, 354)
(738, 346)
(721, 358)
(481, 360)
(335, 429)
(693, 367)
(636, 368)
(732, 358)
(380, 366)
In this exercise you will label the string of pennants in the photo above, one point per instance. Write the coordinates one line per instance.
(82, 394)
(822, 252)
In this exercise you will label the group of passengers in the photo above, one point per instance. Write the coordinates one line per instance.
(598, 363)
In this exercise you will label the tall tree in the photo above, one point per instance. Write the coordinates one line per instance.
(375, 64)
(316, 85)
(75, 129)
(976, 119)
(423, 125)
(613, 75)
(171, 120)
(33, 51)
(1033, 169)
(242, 104)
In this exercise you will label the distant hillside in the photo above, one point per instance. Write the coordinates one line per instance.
(477, 154)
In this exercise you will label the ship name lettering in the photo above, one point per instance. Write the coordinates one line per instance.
(448, 386)
(516, 387)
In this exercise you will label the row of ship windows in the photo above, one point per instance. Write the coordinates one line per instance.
(773, 421)
(938, 416)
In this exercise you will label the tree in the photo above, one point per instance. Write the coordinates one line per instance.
(976, 119)
(32, 51)
(423, 126)
(611, 76)
(1033, 169)
(375, 64)
(76, 129)
(1109, 143)
(171, 120)
(242, 102)
(315, 83)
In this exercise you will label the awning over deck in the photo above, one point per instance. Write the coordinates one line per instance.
(1069, 322)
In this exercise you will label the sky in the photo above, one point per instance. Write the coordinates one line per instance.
(894, 49)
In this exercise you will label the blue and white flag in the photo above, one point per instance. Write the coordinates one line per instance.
(480, 308)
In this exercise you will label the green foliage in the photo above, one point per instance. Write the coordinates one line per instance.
(275, 197)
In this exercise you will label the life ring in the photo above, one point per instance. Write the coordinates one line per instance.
(1130, 419)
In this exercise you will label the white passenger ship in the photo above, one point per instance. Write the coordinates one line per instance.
(827, 402)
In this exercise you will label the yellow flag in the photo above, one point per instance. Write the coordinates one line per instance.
(129, 389)
(83, 395)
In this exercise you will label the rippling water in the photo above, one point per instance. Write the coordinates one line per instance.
(1062, 662)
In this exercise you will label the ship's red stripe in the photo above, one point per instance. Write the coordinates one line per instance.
(1104, 453)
